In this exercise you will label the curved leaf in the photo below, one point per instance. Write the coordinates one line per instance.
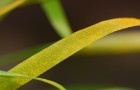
(51, 56)
(15, 75)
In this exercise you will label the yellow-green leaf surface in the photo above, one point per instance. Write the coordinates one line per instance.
(4, 2)
(4, 74)
(51, 56)
(10, 6)
(55, 13)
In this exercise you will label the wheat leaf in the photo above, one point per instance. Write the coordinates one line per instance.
(51, 56)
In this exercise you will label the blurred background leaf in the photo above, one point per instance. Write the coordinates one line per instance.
(55, 13)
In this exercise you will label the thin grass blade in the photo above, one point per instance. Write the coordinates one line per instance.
(15, 75)
(56, 53)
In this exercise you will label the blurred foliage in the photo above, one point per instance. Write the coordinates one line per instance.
(57, 18)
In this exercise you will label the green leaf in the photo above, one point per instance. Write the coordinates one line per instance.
(56, 53)
(55, 13)
(15, 75)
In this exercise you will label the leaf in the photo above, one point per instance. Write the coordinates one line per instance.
(10, 6)
(15, 75)
(51, 56)
(55, 13)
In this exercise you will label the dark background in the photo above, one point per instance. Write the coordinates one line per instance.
(28, 26)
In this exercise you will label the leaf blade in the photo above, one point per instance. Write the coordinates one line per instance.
(56, 53)
(15, 75)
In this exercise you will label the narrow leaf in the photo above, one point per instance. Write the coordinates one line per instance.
(56, 16)
(15, 75)
(51, 56)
